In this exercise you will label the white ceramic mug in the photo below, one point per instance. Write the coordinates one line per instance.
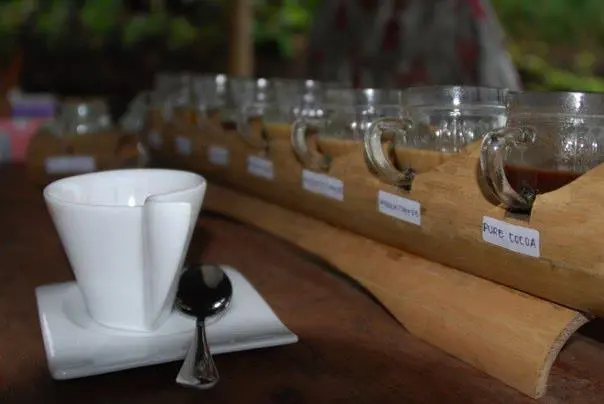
(126, 234)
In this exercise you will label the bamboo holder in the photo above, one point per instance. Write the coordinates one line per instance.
(110, 149)
(511, 336)
(569, 271)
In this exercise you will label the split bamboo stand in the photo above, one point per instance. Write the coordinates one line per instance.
(506, 313)
(510, 335)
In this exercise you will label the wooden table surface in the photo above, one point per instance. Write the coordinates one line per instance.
(350, 351)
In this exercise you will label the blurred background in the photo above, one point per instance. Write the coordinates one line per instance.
(115, 46)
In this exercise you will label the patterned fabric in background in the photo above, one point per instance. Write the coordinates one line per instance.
(399, 43)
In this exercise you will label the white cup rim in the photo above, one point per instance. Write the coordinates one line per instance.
(50, 191)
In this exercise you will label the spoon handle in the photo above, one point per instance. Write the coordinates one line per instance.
(198, 370)
(204, 370)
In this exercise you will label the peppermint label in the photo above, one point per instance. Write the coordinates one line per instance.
(322, 184)
(399, 207)
(260, 167)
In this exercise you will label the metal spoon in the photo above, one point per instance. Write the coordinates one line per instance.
(204, 290)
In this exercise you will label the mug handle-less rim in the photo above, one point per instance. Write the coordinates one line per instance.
(299, 142)
(378, 163)
(492, 164)
(245, 130)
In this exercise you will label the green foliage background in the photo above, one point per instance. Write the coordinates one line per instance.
(556, 44)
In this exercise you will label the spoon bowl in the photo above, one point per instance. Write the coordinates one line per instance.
(203, 291)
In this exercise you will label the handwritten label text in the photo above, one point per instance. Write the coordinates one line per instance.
(522, 240)
(183, 145)
(399, 207)
(322, 184)
(260, 167)
(70, 164)
(218, 155)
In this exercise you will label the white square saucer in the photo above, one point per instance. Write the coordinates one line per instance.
(77, 346)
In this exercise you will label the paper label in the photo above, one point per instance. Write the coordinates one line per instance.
(183, 145)
(522, 240)
(155, 139)
(322, 184)
(400, 208)
(70, 164)
(260, 167)
(219, 156)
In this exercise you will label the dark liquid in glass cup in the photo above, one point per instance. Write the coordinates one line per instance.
(229, 125)
(529, 180)
(549, 141)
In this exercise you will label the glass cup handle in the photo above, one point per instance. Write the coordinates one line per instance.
(299, 142)
(378, 163)
(493, 148)
(245, 131)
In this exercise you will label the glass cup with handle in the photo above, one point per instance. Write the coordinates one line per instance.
(435, 123)
(82, 138)
(311, 105)
(181, 99)
(314, 97)
(338, 122)
(275, 104)
(159, 111)
(131, 125)
(282, 109)
(231, 93)
(307, 100)
(182, 117)
(80, 117)
(193, 104)
(156, 116)
(208, 94)
(267, 111)
(207, 98)
(550, 139)
(218, 100)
